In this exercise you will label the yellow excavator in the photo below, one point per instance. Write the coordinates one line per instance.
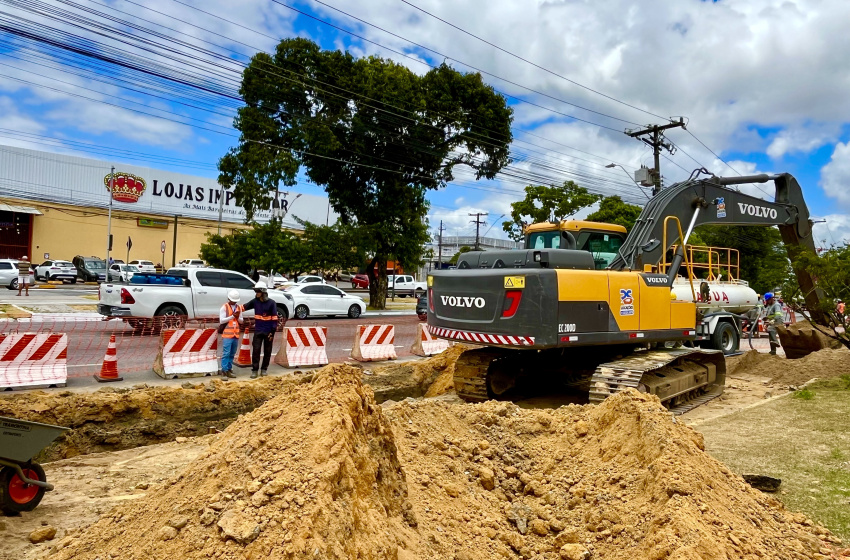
(587, 305)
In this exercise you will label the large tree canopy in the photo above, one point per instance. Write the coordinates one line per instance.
(612, 210)
(543, 203)
(372, 133)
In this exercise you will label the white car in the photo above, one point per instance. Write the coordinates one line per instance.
(121, 272)
(313, 298)
(192, 263)
(56, 270)
(310, 279)
(144, 266)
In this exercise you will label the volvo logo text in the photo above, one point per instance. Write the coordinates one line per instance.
(454, 301)
(655, 279)
(757, 211)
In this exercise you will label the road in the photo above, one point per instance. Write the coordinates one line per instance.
(89, 335)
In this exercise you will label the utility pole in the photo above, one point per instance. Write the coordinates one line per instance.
(656, 142)
(109, 221)
(440, 246)
(477, 221)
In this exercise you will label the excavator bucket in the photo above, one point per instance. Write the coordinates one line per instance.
(800, 340)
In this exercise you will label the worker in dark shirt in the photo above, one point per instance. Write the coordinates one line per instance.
(265, 325)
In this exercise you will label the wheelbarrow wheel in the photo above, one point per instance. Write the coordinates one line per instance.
(15, 494)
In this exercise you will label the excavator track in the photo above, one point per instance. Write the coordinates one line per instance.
(471, 374)
(695, 376)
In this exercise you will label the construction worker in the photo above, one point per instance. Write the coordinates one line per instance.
(230, 320)
(265, 325)
(24, 267)
(774, 317)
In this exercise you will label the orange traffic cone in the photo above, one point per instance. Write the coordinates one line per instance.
(243, 358)
(109, 369)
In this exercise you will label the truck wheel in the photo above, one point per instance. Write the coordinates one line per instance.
(15, 494)
(301, 312)
(354, 311)
(725, 338)
(169, 317)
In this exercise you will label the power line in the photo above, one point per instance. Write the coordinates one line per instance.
(532, 63)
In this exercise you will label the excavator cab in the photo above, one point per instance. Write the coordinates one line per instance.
(603, 241)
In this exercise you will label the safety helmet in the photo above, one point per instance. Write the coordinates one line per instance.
(768, 295)
(260, 287)
(233, 295)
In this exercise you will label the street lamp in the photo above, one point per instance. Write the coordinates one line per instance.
(613, 165)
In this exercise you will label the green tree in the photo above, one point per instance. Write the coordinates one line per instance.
(543, 203)
(456, 256)
(375, 135)
(612, 210)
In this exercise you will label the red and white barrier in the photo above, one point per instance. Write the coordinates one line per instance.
(187, 353)
(373, 343)
(33, 360)
(425, 343)
(303, 346)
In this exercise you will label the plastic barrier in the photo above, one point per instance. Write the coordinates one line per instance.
(374, 343)
(303, 346)
(425, 343)
(33, 360)
(187, 353)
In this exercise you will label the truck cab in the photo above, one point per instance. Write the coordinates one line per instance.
(603, 241)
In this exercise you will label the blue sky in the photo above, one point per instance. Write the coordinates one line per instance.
(762, 84)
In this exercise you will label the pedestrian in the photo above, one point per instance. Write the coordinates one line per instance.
(265, 325)
(158, 268)
(229, 319)
(774, 317)
(24, 268)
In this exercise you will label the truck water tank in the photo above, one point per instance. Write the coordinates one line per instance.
(734, 297)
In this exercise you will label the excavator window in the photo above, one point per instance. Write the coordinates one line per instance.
(603, 246)
(545, 240)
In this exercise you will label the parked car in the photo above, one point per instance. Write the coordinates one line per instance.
(312, 298)
(90, 269)
(422, 306)
(56, 270)
(122, 272)
(192, 263)
(200, 295)
(344, 276)
(405, 285)
(279, 279)
(310, 278)
(9, 273)
(359, 281)
(144, 266)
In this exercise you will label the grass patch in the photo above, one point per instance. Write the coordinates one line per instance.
(804, 394)
(805, 441)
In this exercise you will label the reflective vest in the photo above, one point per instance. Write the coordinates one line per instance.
(775, 314)
(232, 329)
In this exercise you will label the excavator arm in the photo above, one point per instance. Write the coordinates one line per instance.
(710, 201)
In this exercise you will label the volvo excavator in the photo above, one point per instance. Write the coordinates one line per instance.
(587, 306)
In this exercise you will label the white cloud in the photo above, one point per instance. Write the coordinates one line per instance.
(833, 229)
(835, 175)
(802, 139)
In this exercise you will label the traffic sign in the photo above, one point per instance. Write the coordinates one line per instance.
(162, 247)
(129, 243)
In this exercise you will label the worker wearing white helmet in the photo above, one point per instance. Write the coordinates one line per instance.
(229, 325)
(266, 321)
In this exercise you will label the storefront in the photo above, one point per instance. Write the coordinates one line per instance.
(56, 207)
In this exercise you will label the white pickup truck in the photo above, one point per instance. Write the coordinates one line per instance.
(199, 295)
(405, 286)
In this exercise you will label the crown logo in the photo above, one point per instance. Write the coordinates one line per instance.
(126, 187)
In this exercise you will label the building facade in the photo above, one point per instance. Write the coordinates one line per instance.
(57, 206)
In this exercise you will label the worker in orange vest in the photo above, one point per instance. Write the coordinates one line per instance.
(229, 325)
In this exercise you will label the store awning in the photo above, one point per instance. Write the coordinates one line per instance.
(19, 209)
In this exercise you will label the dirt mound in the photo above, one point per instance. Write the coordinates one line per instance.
(429, 377)
(313, 473)
(322, 472)
(618, 481)
(112, 419)
(822, 364)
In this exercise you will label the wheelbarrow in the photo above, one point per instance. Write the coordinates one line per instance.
(22, 482)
